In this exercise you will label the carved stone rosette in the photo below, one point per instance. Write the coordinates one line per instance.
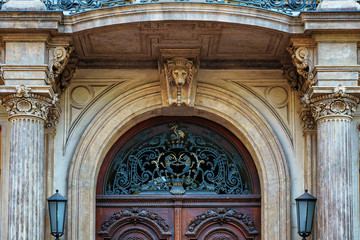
(338, 104)
(24, 103)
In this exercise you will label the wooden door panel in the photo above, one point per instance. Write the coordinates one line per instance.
(169, 217)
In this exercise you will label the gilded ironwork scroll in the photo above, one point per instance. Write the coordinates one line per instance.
(177, 158)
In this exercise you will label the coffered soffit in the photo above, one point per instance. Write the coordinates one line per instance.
(142, 42)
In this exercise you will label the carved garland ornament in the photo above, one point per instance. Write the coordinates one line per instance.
(222, 216)
(134, 216)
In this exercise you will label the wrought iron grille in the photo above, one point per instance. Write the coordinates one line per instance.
(177, 158)
(289, 7)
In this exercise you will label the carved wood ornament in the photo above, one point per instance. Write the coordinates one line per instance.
(178, 71)
(223, 216)
(148, 223)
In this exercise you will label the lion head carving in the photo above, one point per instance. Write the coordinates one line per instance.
(180, 71)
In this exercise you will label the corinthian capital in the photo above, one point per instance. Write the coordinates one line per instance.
(24, 103)
(337, 104)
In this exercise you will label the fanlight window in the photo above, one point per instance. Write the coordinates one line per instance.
(177, 158)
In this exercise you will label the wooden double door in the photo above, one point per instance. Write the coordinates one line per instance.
(178, 218)
(178, 178)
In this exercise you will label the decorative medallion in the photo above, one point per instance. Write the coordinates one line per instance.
(177, 158)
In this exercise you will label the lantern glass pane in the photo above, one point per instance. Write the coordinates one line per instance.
(310, 215)
(53, 214)
(302, 213)
(61, 216)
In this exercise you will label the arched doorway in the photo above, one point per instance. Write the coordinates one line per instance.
(178, 178)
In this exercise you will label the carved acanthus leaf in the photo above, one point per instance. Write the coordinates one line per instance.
(24, 103)
(53, 115)
(60, 75)
(301, 60)
(338, 103)
(308, 122)
(134, 216)
(222, 216)
(67, 74)
(295, 80)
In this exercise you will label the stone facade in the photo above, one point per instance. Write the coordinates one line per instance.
(287, 87)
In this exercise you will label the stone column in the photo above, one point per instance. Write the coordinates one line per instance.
(333, 114)
(27, 116)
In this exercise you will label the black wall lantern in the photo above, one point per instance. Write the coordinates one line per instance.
(57, 210)
(305, 206)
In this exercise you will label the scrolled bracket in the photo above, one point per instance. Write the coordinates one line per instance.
(62, 68)
(301, 59)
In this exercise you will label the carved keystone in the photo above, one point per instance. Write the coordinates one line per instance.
(178, 75)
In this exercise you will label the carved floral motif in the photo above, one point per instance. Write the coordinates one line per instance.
(222, 216)
(134, 216)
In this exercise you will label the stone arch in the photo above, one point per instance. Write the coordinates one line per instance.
(212, 102)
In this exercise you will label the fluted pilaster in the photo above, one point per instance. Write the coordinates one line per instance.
(27, 115)
(333, 114)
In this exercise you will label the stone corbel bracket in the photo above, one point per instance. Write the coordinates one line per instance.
(301, 59)
(60, 73)
(178, 70)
